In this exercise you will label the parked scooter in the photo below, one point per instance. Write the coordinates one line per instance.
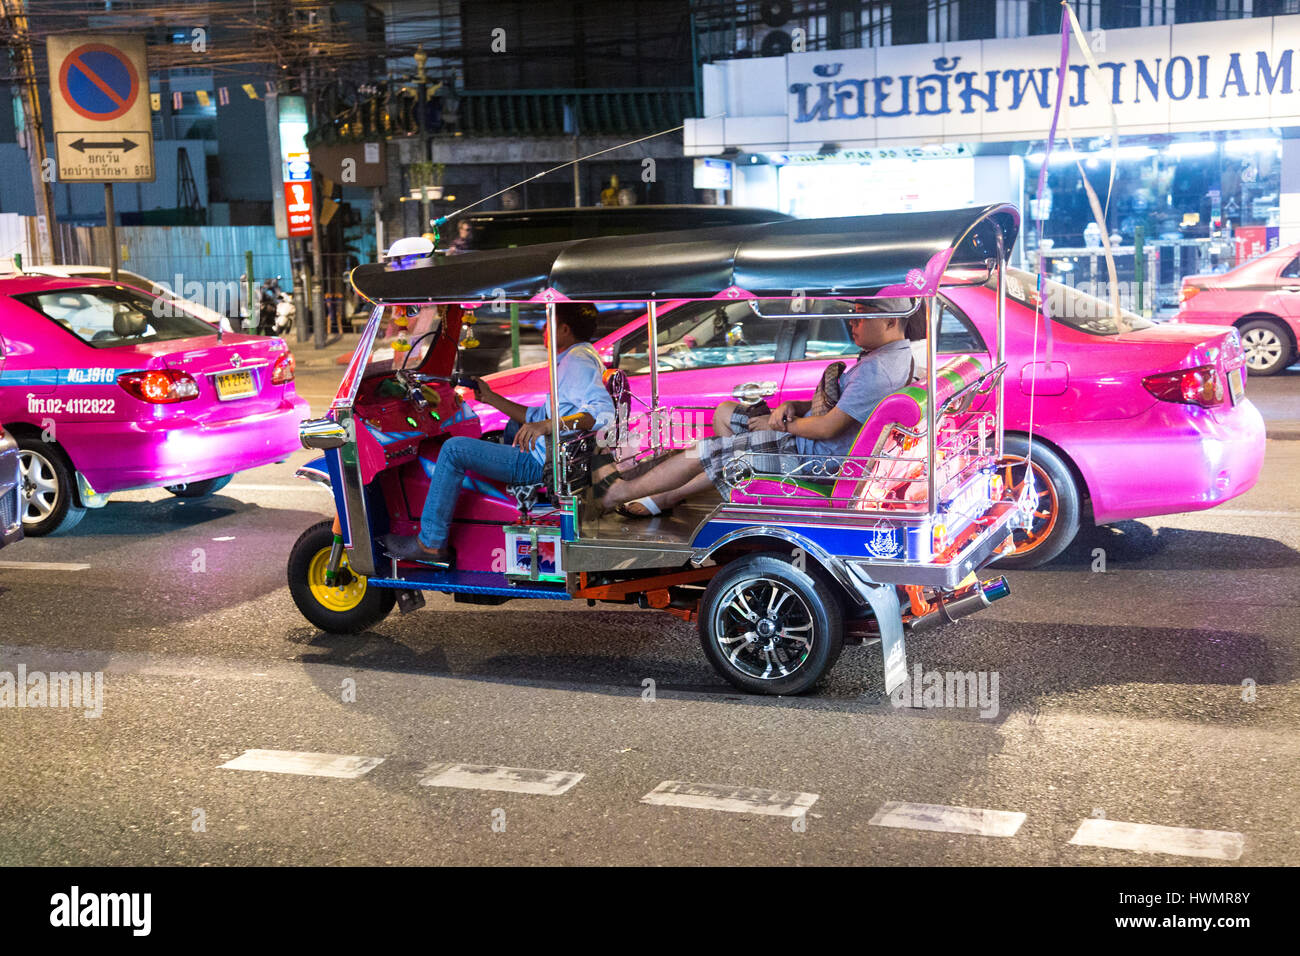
(275, 312)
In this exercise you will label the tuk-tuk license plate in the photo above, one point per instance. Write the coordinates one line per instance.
(1236, 386)
(235, 385)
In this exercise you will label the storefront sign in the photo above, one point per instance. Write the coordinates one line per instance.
(297, 206)
(1231, 74)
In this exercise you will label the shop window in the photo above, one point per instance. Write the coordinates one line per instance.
(1198, 11)
(978, 20)
(911, 23)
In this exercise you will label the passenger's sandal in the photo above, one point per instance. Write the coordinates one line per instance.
(648, 503)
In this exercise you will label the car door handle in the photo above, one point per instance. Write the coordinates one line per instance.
(1291, 288)
(751, 392)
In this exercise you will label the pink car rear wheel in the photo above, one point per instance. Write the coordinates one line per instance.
(45, 476)
(1267, 346)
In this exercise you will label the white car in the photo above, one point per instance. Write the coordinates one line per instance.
(103, 274)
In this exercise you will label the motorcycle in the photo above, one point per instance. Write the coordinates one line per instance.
(276, 312)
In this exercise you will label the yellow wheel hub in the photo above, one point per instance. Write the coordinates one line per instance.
(334, 598)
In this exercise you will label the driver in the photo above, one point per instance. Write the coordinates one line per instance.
(584, 404)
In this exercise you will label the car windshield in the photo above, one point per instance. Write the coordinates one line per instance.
(110, 316)
(1067, 305)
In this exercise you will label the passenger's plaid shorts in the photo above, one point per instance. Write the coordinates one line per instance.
(731, 459)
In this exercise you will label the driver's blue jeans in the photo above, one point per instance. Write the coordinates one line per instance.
(458, 455)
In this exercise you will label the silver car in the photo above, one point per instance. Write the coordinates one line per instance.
(11, 521)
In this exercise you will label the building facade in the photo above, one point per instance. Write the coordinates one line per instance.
(1208, 117)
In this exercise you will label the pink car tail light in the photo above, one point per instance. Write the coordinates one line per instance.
(284, 369)
(1187, 292)
(160, 387)
(1194, 386)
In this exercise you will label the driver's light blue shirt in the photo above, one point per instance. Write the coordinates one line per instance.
(581, 375)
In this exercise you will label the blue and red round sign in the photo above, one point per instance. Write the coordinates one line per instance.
(98, 82)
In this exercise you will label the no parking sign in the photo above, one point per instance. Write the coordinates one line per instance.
(99, 99)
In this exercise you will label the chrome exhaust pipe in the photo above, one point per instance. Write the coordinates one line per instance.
(980, 596)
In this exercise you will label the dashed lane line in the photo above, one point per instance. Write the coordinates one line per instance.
(929, 816)
(1151, 838)
(710, 796)
(304, 764)
(42, 566)
(468, 776)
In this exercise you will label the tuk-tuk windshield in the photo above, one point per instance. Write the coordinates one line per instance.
(406, 333)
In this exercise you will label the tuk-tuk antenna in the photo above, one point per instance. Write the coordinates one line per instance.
(442, 220)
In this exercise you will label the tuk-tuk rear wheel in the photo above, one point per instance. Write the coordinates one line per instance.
(348, 608)
(770, 627)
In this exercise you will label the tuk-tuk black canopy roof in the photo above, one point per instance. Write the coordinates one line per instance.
(862, 256)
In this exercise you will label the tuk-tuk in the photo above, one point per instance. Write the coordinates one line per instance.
(786, 568)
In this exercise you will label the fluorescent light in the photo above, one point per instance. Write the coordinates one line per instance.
(1058, 156)
(1200, 147)
(1239, 146)
(1128, 152)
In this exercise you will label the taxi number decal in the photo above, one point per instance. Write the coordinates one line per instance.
(70, 406)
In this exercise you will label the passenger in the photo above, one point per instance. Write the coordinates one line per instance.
(584, 404)
(790, 432)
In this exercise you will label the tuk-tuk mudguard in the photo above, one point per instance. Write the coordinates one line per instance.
(881, 598)
(327, 471)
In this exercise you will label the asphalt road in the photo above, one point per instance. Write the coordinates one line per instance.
(1120, 701)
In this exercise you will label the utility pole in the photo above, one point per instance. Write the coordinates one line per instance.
(16, 16)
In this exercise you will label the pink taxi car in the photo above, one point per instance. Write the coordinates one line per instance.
(1127, 424)
(1260, 299)
(106, 388)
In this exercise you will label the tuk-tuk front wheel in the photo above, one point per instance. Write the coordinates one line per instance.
(346, 606)
(770, 627)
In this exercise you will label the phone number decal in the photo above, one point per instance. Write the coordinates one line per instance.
(70, 406)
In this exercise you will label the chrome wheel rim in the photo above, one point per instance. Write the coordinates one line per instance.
(1262, 346)
(40, 486)
(764, 628)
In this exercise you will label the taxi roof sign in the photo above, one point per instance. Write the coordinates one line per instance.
(100, 108)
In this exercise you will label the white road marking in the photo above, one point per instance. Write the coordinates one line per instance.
(306, 764)
(228, 537)
(930, 816)
(712, 796)
(1151, 838)
(41, 566)
(1234, 513)
(468, 776)
(298, 485)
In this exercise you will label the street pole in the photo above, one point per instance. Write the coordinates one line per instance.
(377, 201)
(42, 193)
(422, 101)
(577, 188)
(110, 216)
(318, 269)
(250, 322)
